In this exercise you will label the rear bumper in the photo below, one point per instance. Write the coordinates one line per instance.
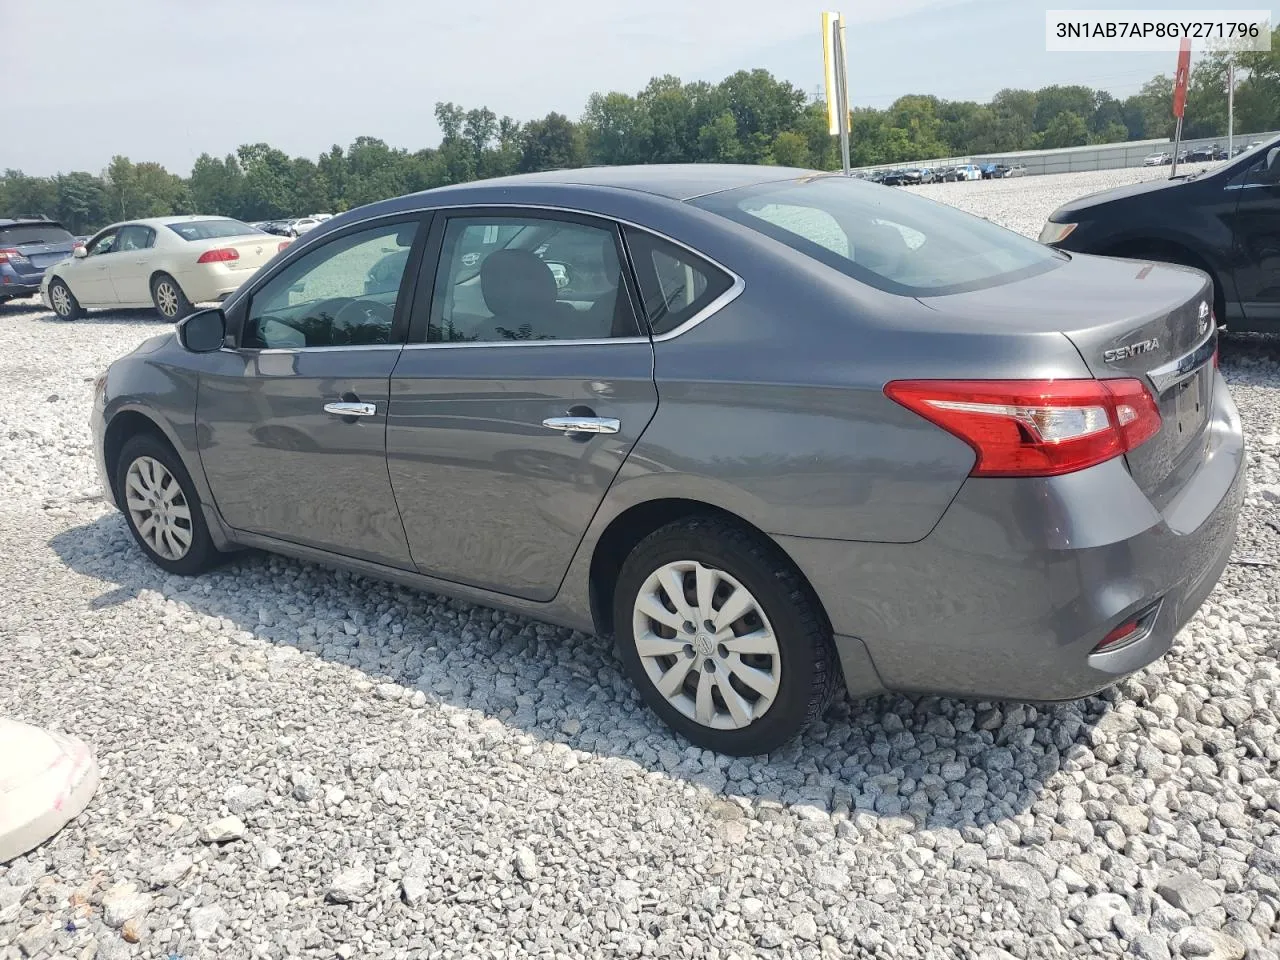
(1012, 591)
(213, 284)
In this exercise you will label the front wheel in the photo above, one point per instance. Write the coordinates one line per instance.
(171, 303)
(722, 638)
(162, 508)
(64, 302)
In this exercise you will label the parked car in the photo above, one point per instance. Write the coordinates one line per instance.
(951, 501)
(993, 171)
(911, 176)
(940, 174)
(1156, 160)
(968, 171)
(279, 228)
(27, 248)
(928, 175)
(165, 262)
(894, 178)
(1017, 170)
(1224, 221)
(297, 228)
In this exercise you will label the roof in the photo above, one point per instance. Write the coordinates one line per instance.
(677, 181)
(165, 221)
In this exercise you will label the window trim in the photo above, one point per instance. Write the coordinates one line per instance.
(736, 285)
(421, 317)
(237, 314)
(233, 306)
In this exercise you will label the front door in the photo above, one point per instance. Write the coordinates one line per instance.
(1257, 240)
(130, 265)
(512, 416)
(89, 277)
(293, 421)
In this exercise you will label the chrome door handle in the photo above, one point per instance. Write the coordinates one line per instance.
(346, 408)
(583, 424)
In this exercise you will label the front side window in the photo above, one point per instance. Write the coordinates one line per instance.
(104, 242)
(135, 238)
(675, 284)
(508, 279)
(887, 239)
(343, 293)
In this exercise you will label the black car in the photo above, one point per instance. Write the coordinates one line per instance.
(894, 178)
(912, 176)
(1224, 221)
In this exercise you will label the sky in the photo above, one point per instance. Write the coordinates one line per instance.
(167, 80)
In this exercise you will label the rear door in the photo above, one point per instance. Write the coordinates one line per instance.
(529, 383)
(130, 268)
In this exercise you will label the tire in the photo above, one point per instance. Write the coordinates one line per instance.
(163, 543)
(170, 302)
(745, 719)
(65, 304)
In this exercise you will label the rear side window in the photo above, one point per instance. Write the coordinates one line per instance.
(211, 229)
(19, 234)
(885, 238)
(676, 285)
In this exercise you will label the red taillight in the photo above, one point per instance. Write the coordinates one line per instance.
(283, 244)
(11, 256)
(1035, 428)
(1118, 635)
(219, 255)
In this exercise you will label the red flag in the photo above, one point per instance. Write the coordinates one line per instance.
(1181, 77)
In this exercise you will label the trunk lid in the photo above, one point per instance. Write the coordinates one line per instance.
(1127, 318)
(39, 246)
(255, 249)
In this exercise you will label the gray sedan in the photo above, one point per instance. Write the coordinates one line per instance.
(770, 430)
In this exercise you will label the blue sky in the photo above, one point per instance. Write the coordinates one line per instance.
(166, 80)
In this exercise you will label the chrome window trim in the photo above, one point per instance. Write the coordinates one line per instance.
(257, 351)
(715, 306)
(1169, 375)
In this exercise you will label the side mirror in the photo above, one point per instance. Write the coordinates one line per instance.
(79, 253)
(203, 331)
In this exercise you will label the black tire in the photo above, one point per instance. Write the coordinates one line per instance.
(201, 555)
(809, 670)
(72, 310)
(170, 302)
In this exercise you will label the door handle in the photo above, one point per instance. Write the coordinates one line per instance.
(583, 424)
(347, 408)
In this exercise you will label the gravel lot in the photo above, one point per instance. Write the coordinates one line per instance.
(299, 763)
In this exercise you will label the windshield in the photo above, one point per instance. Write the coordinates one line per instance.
(211, 229)
(888, 239)
(34, 233)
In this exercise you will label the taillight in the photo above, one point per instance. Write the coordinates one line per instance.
(11, 256)
(220, 255)
(1035, 428)
(282, 245)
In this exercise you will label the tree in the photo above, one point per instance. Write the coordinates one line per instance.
(790, 149)
(618, 129)
(551, 143)
(1066, 130)
(81, 201)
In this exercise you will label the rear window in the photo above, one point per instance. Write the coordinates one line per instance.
(211, 229)
(34, 233)
(885, 238)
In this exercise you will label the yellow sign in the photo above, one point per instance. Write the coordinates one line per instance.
(834, 67)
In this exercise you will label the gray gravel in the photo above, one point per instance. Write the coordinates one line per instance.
(301, 763)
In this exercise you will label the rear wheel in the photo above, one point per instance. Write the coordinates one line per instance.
(721, 636)
(64, 302)
(162, 508)
(171, 303)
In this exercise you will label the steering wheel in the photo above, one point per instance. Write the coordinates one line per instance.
(358, 315)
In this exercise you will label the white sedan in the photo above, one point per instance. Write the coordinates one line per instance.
(167, 262)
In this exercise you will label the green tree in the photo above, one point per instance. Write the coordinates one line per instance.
(1066, 130)
(551, 143)
(790, 149)
(81, 201)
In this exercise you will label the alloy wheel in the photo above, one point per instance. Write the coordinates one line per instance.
(61, 299)
(706, 645)
(158, 508)
(167, 298)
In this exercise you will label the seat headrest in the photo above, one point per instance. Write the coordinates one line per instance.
(512, 281)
